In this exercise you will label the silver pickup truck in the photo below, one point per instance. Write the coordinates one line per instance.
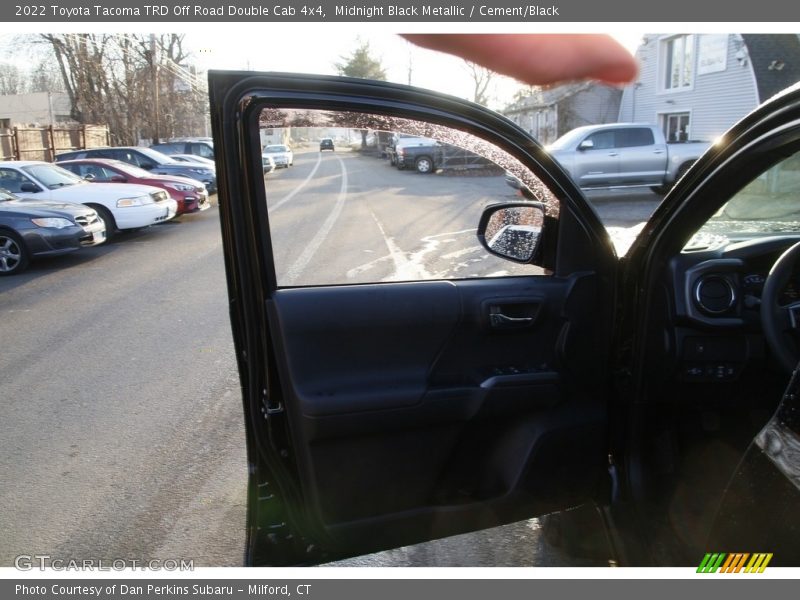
(624, 155)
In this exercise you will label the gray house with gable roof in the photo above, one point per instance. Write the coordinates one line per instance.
(549, 113)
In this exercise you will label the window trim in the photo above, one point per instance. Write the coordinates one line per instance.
(661, 65)
(661, 116)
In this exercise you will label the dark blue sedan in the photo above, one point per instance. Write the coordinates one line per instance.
(32, 229)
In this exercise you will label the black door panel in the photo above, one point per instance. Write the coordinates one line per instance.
(434, 410)
(339, 364)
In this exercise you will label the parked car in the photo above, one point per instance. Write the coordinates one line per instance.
(326, 144)
(428, 156)
(281, 154)
(191, 158)
(657, 389)
(200, 148)
(119, 205)
(624, 155)
(422, 154)
(150, 160)
(268, 163)
(399, 140)
(190, 194)
(31, 229)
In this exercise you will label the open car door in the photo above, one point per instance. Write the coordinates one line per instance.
(711, 287)
(400, 381)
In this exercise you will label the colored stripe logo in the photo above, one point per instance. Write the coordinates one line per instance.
(737, 562)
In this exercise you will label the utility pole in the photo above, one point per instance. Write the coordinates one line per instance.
(154, 76)
(410, 62)
(50, 108)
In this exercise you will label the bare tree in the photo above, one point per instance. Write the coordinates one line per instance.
(124, 80)
(526, 91)
(11, 80)
(481, 79)
(45, 77)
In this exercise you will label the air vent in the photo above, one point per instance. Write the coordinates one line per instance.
(714, 294)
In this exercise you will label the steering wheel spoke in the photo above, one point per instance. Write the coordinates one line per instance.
(789, 317)
(781, 324)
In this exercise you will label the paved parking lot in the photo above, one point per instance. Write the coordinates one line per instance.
(122, 432)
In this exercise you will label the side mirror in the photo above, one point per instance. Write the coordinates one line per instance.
(512, 231)
(29, 187)
(89, 177)
(586, 145)
(117, 179)
(147, 166)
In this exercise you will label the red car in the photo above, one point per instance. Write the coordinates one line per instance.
(190, 195)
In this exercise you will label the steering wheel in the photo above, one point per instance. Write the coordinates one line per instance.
(781, 324)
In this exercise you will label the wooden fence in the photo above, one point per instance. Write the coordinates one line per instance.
(43, 143)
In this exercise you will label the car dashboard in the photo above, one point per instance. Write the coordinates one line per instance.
(710, 383)
(716, 298)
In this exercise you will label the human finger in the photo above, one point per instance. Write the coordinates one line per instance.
(539, 59)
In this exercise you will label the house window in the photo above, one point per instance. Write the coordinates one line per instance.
(678, 61)
(676, 126)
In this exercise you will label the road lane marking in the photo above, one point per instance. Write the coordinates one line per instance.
(463, 252)
(303, 184)
(459, 232)
(405, 268)
(313, 245)
(410, 266)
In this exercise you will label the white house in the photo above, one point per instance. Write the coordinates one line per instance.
(695, 86)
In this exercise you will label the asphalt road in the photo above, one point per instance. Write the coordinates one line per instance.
(121, 434)
(343, 218)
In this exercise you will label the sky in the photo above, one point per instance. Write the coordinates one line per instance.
(313, 48)
(318, 51)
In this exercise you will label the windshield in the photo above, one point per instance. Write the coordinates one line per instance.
(193, 158)
(131, 170)
(568, 140)
(275, 149)
(5, 196)
(156, 156)
(768, 205)
(51, 176)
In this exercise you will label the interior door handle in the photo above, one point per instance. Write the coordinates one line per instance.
(511, 313)
(501, 320)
